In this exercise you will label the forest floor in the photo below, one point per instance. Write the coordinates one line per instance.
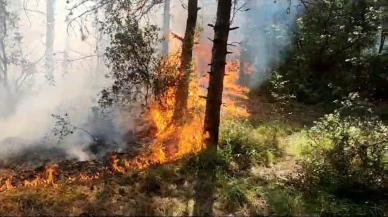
(243, 187)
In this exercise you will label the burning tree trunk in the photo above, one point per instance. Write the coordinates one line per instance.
(217, 72)
(166, 26)
(50, 35)
(186, 59)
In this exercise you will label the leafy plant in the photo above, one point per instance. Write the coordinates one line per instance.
(333, 53)
(234, 196)
(348, 149)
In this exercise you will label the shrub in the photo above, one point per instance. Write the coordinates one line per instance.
(234, 196)
(348, 148)
(333, 53)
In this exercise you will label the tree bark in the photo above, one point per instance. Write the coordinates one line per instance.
(50, 37)
(217, 72)
(206, 174)
(166, 27)
(185, 69)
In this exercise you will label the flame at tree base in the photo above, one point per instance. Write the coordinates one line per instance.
(172, 141)
(176, 140)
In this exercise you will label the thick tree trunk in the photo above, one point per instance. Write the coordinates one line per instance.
(185, 69)
(166, 27)
(50, 36)
(217, 72)
(206, 178)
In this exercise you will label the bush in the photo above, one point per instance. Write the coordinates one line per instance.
(233, 195)
(333, 53)
(347, 150)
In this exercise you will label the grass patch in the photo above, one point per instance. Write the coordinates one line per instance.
(247, 145)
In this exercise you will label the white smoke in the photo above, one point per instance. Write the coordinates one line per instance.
(265, 26)
(28, 122)
(27, 119)
(266, 30)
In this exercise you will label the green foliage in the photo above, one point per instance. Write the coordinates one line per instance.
(333, 53)
(284, 201)
(138, 73)
(288, 201)
(347, 150)
(242, 142)
(233, 195)
(131, 57)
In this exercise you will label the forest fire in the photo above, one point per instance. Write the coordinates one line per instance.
(44, 178)
(174, 141)
(171, 142)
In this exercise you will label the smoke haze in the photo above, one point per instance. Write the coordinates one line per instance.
(25, 117)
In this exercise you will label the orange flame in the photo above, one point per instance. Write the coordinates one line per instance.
(235, 95)
(172, 141)
(46, 179)
(7, 185)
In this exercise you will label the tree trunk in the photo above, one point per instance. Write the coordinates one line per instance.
(217, 72)
(206, 175)
(66, 62)
(384, 25)
(3, 54)
(166, 26)
(185, 69)
(50, 36)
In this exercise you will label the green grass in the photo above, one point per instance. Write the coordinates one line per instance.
(169, 189)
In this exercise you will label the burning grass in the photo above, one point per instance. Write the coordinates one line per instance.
(171, 142)
(49, 174)
(97, 188)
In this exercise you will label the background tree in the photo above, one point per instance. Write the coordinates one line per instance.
(16, 69)
(384, 25)
(334, 52)
(166, 27)
(4, 17)
(50, 37)
(185, 69)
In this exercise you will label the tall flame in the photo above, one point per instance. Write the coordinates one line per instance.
(173, 141)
